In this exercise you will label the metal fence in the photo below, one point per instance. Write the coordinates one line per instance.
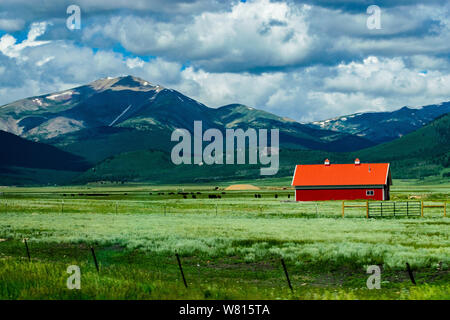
(394, 208)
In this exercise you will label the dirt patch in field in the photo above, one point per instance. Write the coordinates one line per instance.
(232, 263)
(115, 247)
(249, 266)
(242, 187)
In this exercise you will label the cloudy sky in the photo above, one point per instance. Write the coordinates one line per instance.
(307, 60)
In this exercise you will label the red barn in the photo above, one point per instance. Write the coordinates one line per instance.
(369, 181)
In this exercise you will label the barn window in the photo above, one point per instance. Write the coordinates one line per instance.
(370, 192)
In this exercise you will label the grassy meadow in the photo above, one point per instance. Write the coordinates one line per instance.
(230, 247)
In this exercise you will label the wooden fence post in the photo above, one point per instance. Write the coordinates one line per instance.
(287, 275)
(95, 259)
(411, 276)
(28, 250)
(421, 208)
(367, 209)
(181, 270)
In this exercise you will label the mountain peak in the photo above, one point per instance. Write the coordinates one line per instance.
(132, 81)
(405, 108)
(124, 82)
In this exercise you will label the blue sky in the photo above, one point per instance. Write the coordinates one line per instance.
(307, 60)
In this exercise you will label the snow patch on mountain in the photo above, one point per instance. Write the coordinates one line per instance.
(120, 115)
(61, 96)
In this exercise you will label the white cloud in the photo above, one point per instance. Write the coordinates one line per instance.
(254, 34)
(135, 63)
(304, 62)
(387, 77)
(37, 29)
(394, 21)
(48, 9)
(35, 69)
(304, 94)
(378, 84)
(11, 24)
(217, 89)
(40, 63)
(426, 63)
(316, 93)
(9, 47)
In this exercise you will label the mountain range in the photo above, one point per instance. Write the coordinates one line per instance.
(384, 126)
(128, 113)
(120, 128)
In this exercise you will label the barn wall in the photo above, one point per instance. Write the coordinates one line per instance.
(337, 194)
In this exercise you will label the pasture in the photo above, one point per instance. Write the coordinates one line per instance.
(230, 247)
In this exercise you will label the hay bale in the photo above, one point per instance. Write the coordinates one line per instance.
(242, 187)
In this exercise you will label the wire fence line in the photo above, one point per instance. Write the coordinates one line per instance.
(274, 262)
(257, 207)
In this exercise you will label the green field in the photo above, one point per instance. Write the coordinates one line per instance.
(230, 247)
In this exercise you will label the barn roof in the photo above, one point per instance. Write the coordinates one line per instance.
(342, 174)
